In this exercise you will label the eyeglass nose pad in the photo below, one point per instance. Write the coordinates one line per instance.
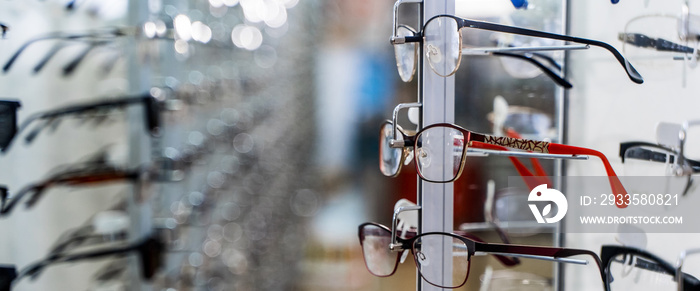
(408, 154)
(424, 157)
(422, 258)
(404, 255)
(434, 54)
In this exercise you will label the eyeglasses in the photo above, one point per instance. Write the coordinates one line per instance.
(407, 57)
(629, 268)
(428, 248)
(82, 174)
(151, 30)
(668, 159)
(675, 174)
(449, 142)
(405, 40)
(390, 164)
(8, 121)
(442, 38)
(150, 251)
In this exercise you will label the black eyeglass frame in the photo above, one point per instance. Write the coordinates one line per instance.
(530, 57)
(462, 22)
(649, 262)
(151, 112)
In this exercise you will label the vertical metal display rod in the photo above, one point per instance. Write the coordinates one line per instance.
(436, 199)
(139, 142)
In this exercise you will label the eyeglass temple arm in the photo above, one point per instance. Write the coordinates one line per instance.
(519, 166)
(554, 148)
(629, 69)
(395, 39)
(539, 170)
(76, 109)
(505, 259)
(49, 55)
(58, 47)
(552, 75)
(69, 68)
(540, 253)
(659, 44)
(58, 35)
(53, 259)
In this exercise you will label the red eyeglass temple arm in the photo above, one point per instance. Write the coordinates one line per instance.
(519, 166)
(554, 148)
(539, 170)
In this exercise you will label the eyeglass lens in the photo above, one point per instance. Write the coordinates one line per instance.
(406, 55)
(375, 241)
(443, 44)
(652, 170)
(438, 143)
(428, 251)
(634, 272)
(389, 158)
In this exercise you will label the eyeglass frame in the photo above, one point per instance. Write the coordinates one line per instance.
(151, 111)
(529, 55)
(539, 147)
(480, 248)
(462, 22)
(608, 253)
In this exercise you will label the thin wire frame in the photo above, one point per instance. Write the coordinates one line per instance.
(474, 248)
(473, 24)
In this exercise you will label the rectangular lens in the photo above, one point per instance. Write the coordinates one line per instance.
(438, 153)
(379, 259)
(443, 44)
(429, 252)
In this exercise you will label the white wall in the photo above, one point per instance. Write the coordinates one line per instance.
(606, 108)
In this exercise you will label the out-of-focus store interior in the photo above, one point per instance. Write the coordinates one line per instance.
(244, 144)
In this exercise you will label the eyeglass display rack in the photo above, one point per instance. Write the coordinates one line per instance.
(230, 213)
(437, 96)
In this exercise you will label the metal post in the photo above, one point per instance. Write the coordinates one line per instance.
(139, 145)
(437, 97)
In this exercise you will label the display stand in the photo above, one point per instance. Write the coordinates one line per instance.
(437, 95)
